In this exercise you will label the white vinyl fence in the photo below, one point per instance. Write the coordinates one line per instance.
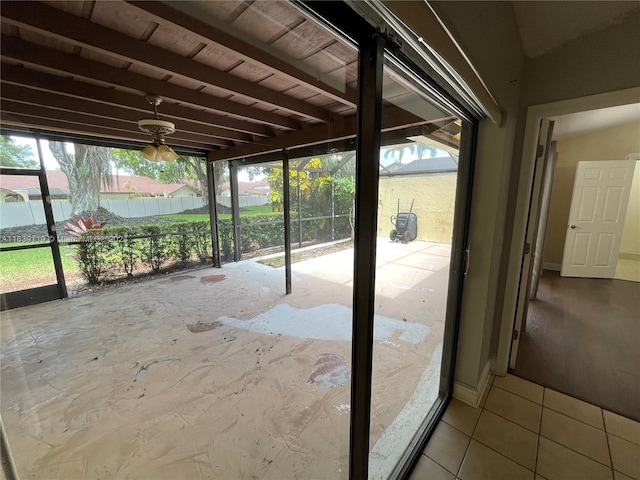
(245, 200)
(17, 214)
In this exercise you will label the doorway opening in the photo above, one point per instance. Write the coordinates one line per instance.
(575, 330)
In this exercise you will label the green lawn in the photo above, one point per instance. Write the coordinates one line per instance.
(38, 262)
(257, 210)
(204, 217)
(32, 263)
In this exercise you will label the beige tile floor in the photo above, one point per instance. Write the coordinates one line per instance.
(522, 430)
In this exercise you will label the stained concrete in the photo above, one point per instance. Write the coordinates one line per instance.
(166, 379)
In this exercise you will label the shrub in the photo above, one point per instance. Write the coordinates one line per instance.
(201, 242)
(93, 255)
(130, 250)
(110, 249)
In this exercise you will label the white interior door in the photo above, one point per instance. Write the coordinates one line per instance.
(543, 148)
(596, 218)
(545, 200)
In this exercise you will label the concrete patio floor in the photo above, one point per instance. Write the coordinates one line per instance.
(215, 373)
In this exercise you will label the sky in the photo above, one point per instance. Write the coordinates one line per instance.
(50, 163)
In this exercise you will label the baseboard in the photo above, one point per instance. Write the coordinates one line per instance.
(556, 267)
(470, 395)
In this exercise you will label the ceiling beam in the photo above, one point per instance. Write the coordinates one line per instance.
(120, 128)
(102, 110)
(16, 75)
(72, 65)
(271, 61)
(317, 134)
(393, 118)
(37, 123)
(50, 21)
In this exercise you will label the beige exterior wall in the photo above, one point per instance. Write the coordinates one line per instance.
(434, 204)
(608, 144)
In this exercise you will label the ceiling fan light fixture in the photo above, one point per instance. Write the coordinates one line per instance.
(156, 126)
(150, 152)
(157, 151)
(166, 153)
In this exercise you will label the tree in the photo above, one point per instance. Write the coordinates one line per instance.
(132, 162)
(14, 155)
(196, 167)
(197, 170)
(86, 169)
(184, 169)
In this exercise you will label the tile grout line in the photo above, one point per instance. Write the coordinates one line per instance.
(621, 438)
(518, 395)
(487, 446)
(539, 434)
(579, 453)
(470, 438)
(504, 455)
(577, 419)
(441, 466)
(535, 471)
(576, 451)
(505, 418)
(606, 434)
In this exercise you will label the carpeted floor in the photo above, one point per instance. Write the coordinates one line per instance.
(583, 339)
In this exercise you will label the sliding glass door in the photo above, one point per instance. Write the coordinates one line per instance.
(342, 370)
(416, 271)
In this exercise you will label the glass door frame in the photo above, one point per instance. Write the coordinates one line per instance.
(55, 291)
(372, 46)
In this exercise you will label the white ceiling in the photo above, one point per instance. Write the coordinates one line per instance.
(546, 25)
(584, 122)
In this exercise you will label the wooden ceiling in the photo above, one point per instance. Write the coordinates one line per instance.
(238, 78)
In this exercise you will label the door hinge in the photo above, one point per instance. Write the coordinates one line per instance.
(515, 335)
(539, 151)
(527, 248)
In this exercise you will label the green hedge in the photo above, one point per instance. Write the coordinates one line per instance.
(255, 237)
(117, 250)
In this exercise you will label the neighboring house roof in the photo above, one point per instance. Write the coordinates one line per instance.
(391, 167)
(53, 191)
(124, 184)
(430, 165)
(259, 187)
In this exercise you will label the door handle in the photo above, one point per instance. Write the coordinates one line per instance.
(573, 227)
(466, 261)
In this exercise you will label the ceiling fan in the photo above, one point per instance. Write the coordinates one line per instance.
(157, 151)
